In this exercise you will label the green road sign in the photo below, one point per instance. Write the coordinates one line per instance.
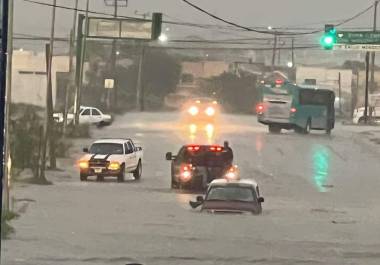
(358, 37)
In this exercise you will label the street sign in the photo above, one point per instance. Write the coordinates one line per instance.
(119, 28)
(109, 83)
(357, 47)
(358, 37)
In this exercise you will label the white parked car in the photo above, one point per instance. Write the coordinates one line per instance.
(111, 158)
(358, 115)
(87, 115)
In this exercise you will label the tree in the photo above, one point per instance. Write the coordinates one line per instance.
(236, 93)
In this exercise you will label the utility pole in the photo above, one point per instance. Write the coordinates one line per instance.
(373, 54)
(340, 92)
(113, 68)
(70, 84)
(279, 52)
(49, 103)
(8, 101)
(81, 51)
(139, 85)
(3, 70)
(366, 87)
(293, 63)
(274, 50)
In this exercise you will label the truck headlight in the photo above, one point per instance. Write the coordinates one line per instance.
(83, 164)
(114, 166)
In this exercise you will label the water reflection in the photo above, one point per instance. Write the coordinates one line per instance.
(321, 166)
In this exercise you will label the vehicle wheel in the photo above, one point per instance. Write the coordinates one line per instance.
(137, 173)
(361, 120)
(307, 128)
(274, 128)
(83, 177)
(100, 124)
(99, 178)
(174, 185)
(121, 176)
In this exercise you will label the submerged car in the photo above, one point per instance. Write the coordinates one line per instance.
(230, 196)
(195, 166)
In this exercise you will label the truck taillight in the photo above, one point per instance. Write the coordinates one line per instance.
(186, 172)
(216, 148)
(293, 110)
(260, 108)
(193, 148)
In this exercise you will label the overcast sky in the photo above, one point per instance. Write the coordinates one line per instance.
(34, 19)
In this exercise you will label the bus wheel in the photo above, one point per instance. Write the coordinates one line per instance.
(308, 127)
(274, 128)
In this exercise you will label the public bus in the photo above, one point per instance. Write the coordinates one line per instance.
(284, 105)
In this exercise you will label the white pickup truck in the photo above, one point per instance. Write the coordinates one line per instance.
(111, 158)
(87, 115)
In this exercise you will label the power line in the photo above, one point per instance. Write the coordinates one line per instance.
(271, 32)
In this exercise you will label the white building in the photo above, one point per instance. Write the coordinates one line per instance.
(29, 78)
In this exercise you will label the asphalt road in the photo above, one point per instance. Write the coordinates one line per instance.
(322, 203)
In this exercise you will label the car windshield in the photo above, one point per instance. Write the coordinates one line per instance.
(100, 100)
(230, 194)
(106, 148)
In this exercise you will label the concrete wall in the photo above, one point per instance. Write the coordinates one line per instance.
(326, 78)
(204, 69)
(29, 77)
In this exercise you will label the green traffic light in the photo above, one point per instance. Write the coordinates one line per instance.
(328, 41)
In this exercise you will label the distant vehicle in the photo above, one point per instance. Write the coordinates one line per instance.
(201, 110)
(195, 166)
(111, 158)
(287, 106)
(87, 115)
(236, 197)
(373, 115)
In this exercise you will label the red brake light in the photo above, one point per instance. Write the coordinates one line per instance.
(216, 148)
(293, 110)
(279, 82)
(193, 148)
(259, 108)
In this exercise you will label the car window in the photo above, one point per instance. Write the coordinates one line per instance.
(231, 194)
(130, 149)
(95, 112)
(86, 112)
(106, 148)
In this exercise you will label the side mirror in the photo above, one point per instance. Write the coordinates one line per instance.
(169, 156)
(260, 199)
(85, 150)
(138, 148)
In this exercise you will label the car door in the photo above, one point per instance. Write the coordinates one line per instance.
(96, 116)
(134, 158)
(84, 116)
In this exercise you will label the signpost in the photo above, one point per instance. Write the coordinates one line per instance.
(368, 41)
(358, 37)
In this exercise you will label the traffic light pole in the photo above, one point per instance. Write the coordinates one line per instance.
(366, 87)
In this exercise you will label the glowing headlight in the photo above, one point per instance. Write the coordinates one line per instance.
(210, 111)
(83, 164)
(193, 110)
(114, 166)
(193, 128)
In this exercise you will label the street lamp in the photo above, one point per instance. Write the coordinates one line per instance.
(290, 64)
(163, 37)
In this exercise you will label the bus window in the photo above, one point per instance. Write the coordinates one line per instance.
(314, 97)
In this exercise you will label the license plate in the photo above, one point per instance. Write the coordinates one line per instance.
(98, 170)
